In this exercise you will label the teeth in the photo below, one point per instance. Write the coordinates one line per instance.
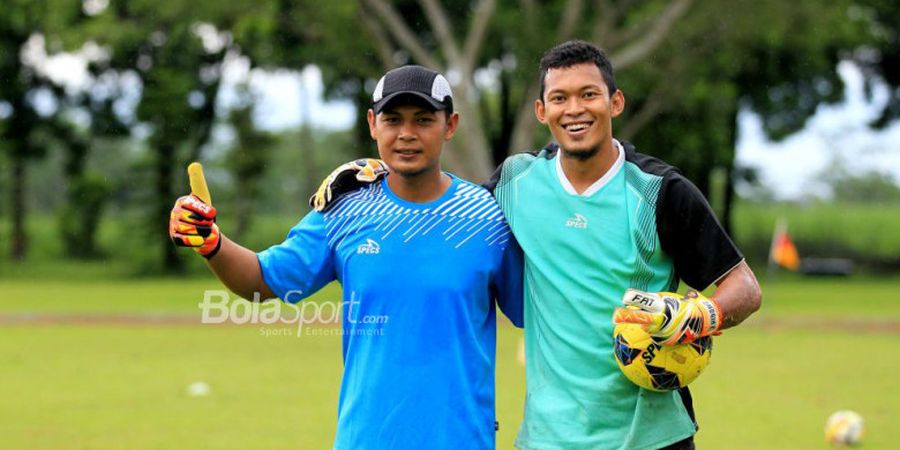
(576, 126)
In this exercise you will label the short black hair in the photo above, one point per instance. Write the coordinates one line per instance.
(575, 52)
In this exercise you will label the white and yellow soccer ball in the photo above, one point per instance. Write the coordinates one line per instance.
(658, 367)
(844, 428)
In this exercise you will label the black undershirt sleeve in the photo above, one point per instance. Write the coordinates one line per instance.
(691, 235)
(492, 182)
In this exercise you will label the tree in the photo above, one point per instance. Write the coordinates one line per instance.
(728, 61)
(880, 55)
(495, 32)
(23, 138)
(294, 34)
(247, 163)
(176, 49)
(687, 68)
(872, 187)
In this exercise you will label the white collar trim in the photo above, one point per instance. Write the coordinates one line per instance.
(592, 189)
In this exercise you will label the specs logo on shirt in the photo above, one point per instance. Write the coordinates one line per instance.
(369, 248)
(577, 221)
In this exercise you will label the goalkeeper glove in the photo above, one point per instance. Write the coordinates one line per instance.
(192, 223)
(347, 178)
(670, 318)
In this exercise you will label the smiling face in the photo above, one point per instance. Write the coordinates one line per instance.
(578, 108)
(410, 137)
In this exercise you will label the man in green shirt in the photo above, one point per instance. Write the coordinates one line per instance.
(595, 218)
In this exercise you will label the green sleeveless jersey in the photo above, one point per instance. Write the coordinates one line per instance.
(643, 226)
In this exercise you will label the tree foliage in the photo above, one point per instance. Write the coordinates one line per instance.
(26, 127)
(687, 69)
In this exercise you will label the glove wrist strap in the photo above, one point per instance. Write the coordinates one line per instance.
(215, 250)
(713, 312)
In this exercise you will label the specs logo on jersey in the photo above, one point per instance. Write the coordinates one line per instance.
(369, 248)
(577, 221)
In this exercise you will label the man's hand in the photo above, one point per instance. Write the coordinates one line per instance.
(670, 318)
(192, 222)
(347, 178)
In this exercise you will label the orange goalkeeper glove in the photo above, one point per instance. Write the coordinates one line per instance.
(347, 178)
(193, 224)
(670, 318)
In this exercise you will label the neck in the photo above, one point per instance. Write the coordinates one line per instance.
(582, 173)
(421, 188)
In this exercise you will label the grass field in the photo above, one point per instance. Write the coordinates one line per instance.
(816, 346)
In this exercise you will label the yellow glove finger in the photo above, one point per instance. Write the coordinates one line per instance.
(198, 183)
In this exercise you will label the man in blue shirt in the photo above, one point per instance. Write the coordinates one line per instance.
(421, 250)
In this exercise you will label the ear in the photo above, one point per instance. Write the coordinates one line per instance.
(370, 117)
(540, 112)
(452, 123)
(617, 103)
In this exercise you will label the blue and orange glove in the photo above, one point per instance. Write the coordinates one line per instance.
(670, 318)
(192, 222)
(347, 178)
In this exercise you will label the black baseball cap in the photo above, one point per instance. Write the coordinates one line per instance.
(416, 81)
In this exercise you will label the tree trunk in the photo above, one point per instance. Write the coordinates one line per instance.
(78, 239)
(19, 238)
(365, 146)
(471, 158)
(729, 202)
(525, 122)
(241, 212)
(164, 198)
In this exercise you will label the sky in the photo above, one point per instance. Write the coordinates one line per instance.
(789, 168)
(836, 133)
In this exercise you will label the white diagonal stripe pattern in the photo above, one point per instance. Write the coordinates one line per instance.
(470, 211)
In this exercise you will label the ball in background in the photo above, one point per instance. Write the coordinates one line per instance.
(844, 428)
(658, 367)
(198, 389)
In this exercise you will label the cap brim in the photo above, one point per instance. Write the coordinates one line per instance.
(407, 97)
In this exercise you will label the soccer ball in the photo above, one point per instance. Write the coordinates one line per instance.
(658, 367)
(844, 428)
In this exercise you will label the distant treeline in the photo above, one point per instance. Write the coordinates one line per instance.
(864, 233)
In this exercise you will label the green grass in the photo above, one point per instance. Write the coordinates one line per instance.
(774, 389)
(111, 386)
(161, 296)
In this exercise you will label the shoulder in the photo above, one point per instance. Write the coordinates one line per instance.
(468, 189)
(471, 192)
(646, 164)
(472, 199)
(654, 177)
(362, 198)
(519, 164)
